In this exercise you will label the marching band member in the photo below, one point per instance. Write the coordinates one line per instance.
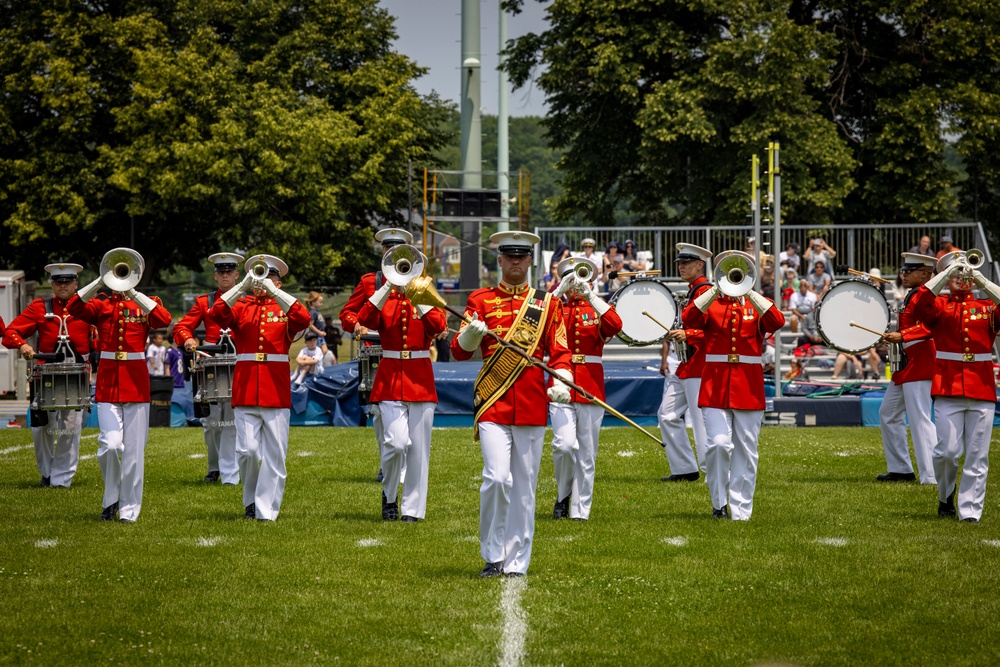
(264, 325)
(732, 390)
(405, 394)
(908, 397)
(366, 287)
(220, 431)
(681, 388)
(123, 324)
(56, 434)
(964, 389)
(576, 426)
(510, 399)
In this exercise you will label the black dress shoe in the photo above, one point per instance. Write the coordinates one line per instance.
(970, 519)
(561, 509)
(722, 513)
(212, 476)
(44, 481)
(946, 510)
(511, 575)
(686, 477)
(409, 519)
(109, 512)
(250, 512)
(380, 476)
(390, 511)
(492, 570)
(126, 520)
(897, 477)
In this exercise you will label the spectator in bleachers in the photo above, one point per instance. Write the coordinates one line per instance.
(810, 343)
(818, 279)
(562, 252)
(923, 247)
(767, 276)
(551, 281)
(857, 361)
(819, 251)
(897, 293)
(789, 286)
(802, 303)
(588, 245)
(946, 245)
(790, 258)
(631, 257)
(610, 253)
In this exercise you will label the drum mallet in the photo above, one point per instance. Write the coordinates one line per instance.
(877, 333)
(646, 313)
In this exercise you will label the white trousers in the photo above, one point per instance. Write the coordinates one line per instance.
(261, 449)
(576, 428)
(511, 458)
(964, 426)
(732, 458)
(407, 430)
(913, 400)
(57, 446)
(121, 454)
(680, 397)
(220, 439)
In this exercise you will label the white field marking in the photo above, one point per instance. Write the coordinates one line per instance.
(86, 457)
(832, 541)
(303, 453)
(627, 453)
(207, 541)
(46, 544)
(675, 541)
(370, 542)
(196, 456)
(563, 538)
(846, 453)
(11, 450)
(89, 437)
(992, 543)
(468, 538)
(515, 624)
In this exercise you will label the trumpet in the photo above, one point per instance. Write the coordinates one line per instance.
(403, 263)
(735, 272)
(259, 270)
(121, 269)
(584, 271)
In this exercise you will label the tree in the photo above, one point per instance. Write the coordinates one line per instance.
(659, 104)
(272, 126)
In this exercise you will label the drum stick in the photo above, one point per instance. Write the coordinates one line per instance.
(877, 333)
(651, 272)
(853, 272)
(646, 313)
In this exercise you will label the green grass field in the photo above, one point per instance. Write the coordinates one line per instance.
(834, 568)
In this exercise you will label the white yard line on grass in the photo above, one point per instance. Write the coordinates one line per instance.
(46, 544)
(992, 543)
(832, 541)
(515, 624)
(370, 542)
(207, 541)
(11, 450)
(89, 437)
(627, 453)
(675, 541)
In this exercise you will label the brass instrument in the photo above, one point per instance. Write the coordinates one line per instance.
(402, 263)
(735, 273)
(259, 270)
(121, 269)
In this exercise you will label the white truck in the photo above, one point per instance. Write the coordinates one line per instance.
(13, 299)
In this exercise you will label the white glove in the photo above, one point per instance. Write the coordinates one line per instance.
(707, 298)
(760, 302)
(381, 295)
(142, 301)
(938, 282)
(559, 392)
(991, 289)
(245, 284)
(423, 310)
(284, 299)
(88, 292)
(234, 294)
(568, 284)
(472, 334)
(597, 303)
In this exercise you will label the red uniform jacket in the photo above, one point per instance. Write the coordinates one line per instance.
(961, 324)
(525, 402)
(365, 288)
(261, 327)
(401, 330)
(586, 332)
(921, 362)
(199, 313)
(695, 364)
(734, 328)
(122, 327)
(33, 319)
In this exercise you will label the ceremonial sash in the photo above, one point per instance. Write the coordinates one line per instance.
(504, 366)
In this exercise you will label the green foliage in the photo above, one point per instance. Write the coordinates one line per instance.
(269, 126)
(659, 104)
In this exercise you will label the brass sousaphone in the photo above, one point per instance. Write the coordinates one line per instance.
(121, 269)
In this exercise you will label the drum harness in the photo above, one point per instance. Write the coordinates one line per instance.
(63, 351)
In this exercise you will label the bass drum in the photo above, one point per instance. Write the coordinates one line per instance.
(852, 301)
(639, 294)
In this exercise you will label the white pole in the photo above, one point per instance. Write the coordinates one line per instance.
(503, 150)
(472, 139)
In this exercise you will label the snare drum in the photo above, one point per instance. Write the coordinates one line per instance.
(639, 294)
(60, 386)
(852, 300)
(369, 357)
(214, 378)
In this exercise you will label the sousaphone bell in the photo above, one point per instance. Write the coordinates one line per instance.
(402, 263)
(121, 269)
(735, 272)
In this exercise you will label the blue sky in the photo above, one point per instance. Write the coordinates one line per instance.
(430, 32)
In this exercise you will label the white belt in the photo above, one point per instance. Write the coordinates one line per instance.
(914, 342)
(967, 357)
(731, 359)
(406, 354)
(124, 356)
(587, 359)
(260, 356)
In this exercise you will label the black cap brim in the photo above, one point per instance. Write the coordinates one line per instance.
(517, 250)
(227, 267)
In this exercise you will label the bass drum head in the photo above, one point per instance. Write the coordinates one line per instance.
(641, 294)
(852, 301)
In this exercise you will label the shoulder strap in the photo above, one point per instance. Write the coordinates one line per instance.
(701, 282)
(48, 305)
(211, 299)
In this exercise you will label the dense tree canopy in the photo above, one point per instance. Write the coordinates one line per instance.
(660, 104)
(272, 125)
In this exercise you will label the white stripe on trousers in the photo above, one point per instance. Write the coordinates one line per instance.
(910, 400)
(220, 439)
(576, 429)
(121, 454)
(57, 446)
(511, 458)
(261, 448)
(407, 429)
(732, 458)
(964, 426)
(680, 397)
